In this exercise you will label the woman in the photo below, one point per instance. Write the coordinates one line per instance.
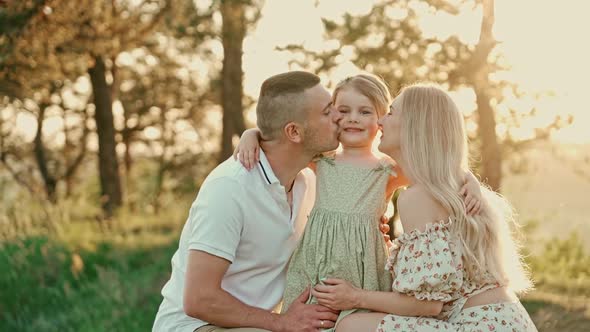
(467, 268)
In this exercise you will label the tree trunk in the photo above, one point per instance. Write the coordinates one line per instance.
(491, 153)
(49, 181)
(110, 182)
(233, 32)
(491, 171)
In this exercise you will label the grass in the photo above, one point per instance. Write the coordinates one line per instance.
(49, 286)
(108, 278)
(82, 274)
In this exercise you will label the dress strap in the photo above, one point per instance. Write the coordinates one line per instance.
(329, 157)
(387, 167)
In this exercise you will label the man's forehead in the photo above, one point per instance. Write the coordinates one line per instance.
(319, 95)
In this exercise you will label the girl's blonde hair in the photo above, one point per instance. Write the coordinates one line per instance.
(369, 86)
(434, 146)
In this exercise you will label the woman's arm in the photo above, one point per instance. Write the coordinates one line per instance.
(398, 304)
(338, 294)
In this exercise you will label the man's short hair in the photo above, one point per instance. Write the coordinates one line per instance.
(282, 101)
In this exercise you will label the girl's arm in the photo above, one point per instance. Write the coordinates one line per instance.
(338, 294)
(248, 149)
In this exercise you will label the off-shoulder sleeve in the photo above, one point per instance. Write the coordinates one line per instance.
(426, 264)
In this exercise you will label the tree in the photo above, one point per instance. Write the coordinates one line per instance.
(491, 170)
(55, 162)
(237, 17)
(89, 34)
(388, 41)
(161, 95)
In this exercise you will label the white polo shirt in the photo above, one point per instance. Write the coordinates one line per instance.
(244, 217)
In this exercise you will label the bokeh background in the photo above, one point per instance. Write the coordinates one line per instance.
(113, 112)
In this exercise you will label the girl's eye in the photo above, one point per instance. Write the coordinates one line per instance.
(343, 111)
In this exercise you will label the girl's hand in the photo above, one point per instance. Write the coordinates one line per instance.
(248, 149)
(337, 294)
(471, 191)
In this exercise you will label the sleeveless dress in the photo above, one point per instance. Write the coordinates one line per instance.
(342, 237)
(429, 266)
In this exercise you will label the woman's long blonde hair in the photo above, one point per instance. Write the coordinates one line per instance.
(434, 147)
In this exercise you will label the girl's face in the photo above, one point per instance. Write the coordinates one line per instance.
(390, 129)
(358, 126)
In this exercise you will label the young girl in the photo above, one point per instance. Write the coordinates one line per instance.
(342, 237)
(468, 266)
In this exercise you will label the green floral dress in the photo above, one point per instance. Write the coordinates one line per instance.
(429, 266)
(342, 237)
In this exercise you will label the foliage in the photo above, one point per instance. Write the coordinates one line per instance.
(51, 287)
(563, 266)
(389, 41)
(83, 273)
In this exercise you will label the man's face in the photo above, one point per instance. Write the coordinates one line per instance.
(321, 130)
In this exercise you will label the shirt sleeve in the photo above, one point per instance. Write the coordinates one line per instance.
(427, 265)
(216, 219)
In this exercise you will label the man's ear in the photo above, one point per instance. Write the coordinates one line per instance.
(293, 132)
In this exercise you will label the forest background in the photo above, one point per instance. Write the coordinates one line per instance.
(113, 112)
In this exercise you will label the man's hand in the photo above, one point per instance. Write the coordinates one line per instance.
(307, 317)
(471, 193)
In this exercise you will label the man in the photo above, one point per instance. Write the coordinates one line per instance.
(229, 269)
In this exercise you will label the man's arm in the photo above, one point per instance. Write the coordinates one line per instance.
(471, 191)
(205, 299)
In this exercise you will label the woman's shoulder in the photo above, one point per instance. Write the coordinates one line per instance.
(418, 208)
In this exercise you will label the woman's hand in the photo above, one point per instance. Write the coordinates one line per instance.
(337, 294)
(248, 149)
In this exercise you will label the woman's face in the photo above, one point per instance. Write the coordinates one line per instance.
(390, 129)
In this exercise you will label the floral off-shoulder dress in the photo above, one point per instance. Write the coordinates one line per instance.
(428, 265)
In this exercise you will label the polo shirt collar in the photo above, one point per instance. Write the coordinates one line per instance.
(267, 172)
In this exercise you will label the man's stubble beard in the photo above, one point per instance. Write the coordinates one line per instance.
(314, 145)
